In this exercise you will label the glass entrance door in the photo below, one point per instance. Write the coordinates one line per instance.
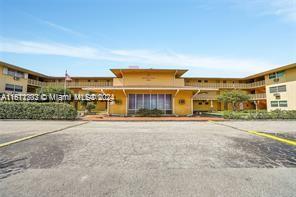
(161, 102)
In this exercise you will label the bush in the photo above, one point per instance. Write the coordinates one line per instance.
(149, 112)
(90, 106)
(37, 111)
(261, 114)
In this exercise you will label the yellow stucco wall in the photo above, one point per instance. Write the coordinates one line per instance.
(118, 107)
(148, 79)
(289, 95)
(179, 109)
(7, 79)
(205, 106)
(183, 109)
(290, 75)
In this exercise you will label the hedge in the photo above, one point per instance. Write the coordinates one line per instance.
(149, 112)
(37, 111)
(255, 115)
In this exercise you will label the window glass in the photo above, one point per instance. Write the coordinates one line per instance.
(168, 101)
(11, 72)
(147, 101)
(160, 101)
(153, 101)
(274, 103)
(139, 101)
(272, 76)
(282, 88)
(9, 87)
(280, 74)
(19, 74)
(283, 104)
(18, 88)
(132, 101)
(273, 89)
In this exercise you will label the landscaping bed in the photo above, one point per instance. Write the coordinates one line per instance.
(37, 111)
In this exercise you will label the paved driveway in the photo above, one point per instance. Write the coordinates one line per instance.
(148, 159)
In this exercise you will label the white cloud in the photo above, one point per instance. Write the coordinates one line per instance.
(282, 8)
(139, 57)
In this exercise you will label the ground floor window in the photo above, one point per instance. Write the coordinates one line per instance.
(150, 101)
(13, 88)
(279, 103)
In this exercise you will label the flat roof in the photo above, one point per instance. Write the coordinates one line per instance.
(22, 69)
(119, 71)
(293, 65)
(178, 72)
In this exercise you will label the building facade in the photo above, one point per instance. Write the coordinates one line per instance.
(163, 89)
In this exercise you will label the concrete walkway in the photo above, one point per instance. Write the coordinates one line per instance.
(113, 118)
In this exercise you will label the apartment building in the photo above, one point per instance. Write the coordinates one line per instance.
(164, 89)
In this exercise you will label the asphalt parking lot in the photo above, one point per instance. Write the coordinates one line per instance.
(147, 159)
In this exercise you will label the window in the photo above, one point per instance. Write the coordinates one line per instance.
(147, 101)
(280, 74)
(283, 103)
(150, 101)
(206, 81)
(132, 101)
(273, 89)
(160, 103)
(272, 76)
(274, 103)
(276, 75)
(153, 101)
(13, 88)
(18, 88)
(9, 87)
(15, 73)
(139, 101)
(282, 88)
(199, 81)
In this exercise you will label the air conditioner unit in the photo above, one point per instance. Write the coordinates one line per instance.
(276, 80)
(276, 94)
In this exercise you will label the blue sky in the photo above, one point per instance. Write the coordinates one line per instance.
(223, 38)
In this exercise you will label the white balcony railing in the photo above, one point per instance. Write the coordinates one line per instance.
(259, 96)
(71, 84)
(227, 85)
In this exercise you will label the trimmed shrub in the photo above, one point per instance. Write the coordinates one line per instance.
(37, 111)
(90, 106)
(149, 112)
(261, 114)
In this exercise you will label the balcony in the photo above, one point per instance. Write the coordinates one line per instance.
(70, 84)
(227, 85)
(73, 84)
(34, 82)
(260, 96)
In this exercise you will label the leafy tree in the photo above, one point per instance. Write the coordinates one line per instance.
(234, 97)
(53, 90)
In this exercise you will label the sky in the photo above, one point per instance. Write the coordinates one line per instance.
(210, 38)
